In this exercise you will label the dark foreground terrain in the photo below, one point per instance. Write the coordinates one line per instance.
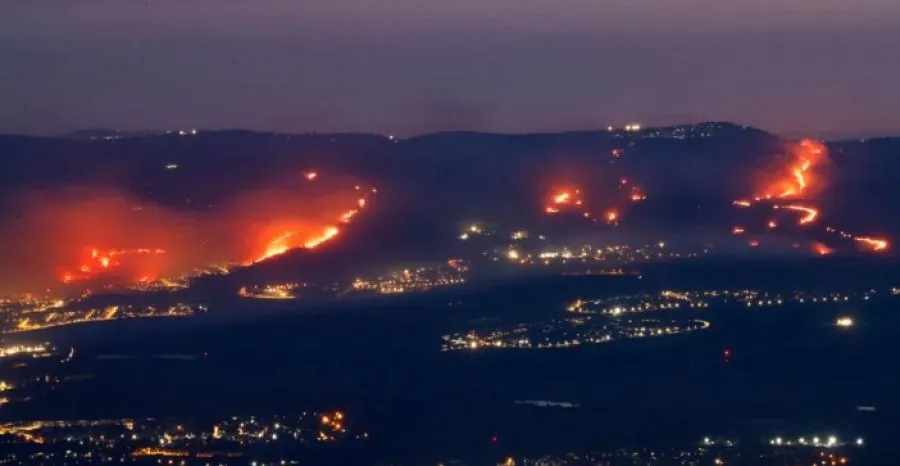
(754, 374)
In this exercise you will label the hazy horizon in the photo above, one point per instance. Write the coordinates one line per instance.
(810, 68)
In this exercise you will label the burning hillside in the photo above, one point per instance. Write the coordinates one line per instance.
(801, 177)
(82, 237)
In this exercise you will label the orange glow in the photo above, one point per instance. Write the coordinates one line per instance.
(821, 249)
(737, 230)
(562, 198)
(804, 156)
(797, 178)
(90, 237)
(329, 233)
(311, 175)
(96, 261)
(153, 451)
(637, 194)
(772, 225)
(292, 240)
(809, 216)
(612, 216)
(348, 215)
(875, 244)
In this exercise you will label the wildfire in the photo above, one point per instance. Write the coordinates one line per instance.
(637, 194)
(797, 180)
(294, 239)
(805, 155)
(821, 249)
(562, 198)
(612, 216)
(810, 214)
(329, 233)
(565, 199)
(97, 261)
(286, 241)
(875, 244)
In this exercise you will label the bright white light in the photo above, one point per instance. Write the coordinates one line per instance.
(844, 322)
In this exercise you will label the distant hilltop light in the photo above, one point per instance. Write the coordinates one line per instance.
(633, 127)
(171, 166)
(844, 322)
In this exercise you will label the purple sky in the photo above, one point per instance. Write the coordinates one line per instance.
(797, 67)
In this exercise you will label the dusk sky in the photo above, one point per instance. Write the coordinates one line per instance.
(823, 68)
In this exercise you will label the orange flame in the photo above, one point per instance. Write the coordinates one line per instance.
(100, 260)
(612, 216)
(329, 233)
(562, 198)
(804, 157)
(821, 249)
(806, 154)
(810, 213)
(875, 244)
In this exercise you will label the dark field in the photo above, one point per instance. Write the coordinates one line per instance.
(791, 371)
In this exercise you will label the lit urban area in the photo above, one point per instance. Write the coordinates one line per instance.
(718, 451)
(568, 332)
(416, 279)
(29, 370)
(723, 298)
(30, 315)
(246, 440)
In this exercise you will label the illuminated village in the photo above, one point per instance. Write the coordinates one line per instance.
(244, 440)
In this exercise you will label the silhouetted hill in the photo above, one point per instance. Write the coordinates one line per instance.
(430, 184)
